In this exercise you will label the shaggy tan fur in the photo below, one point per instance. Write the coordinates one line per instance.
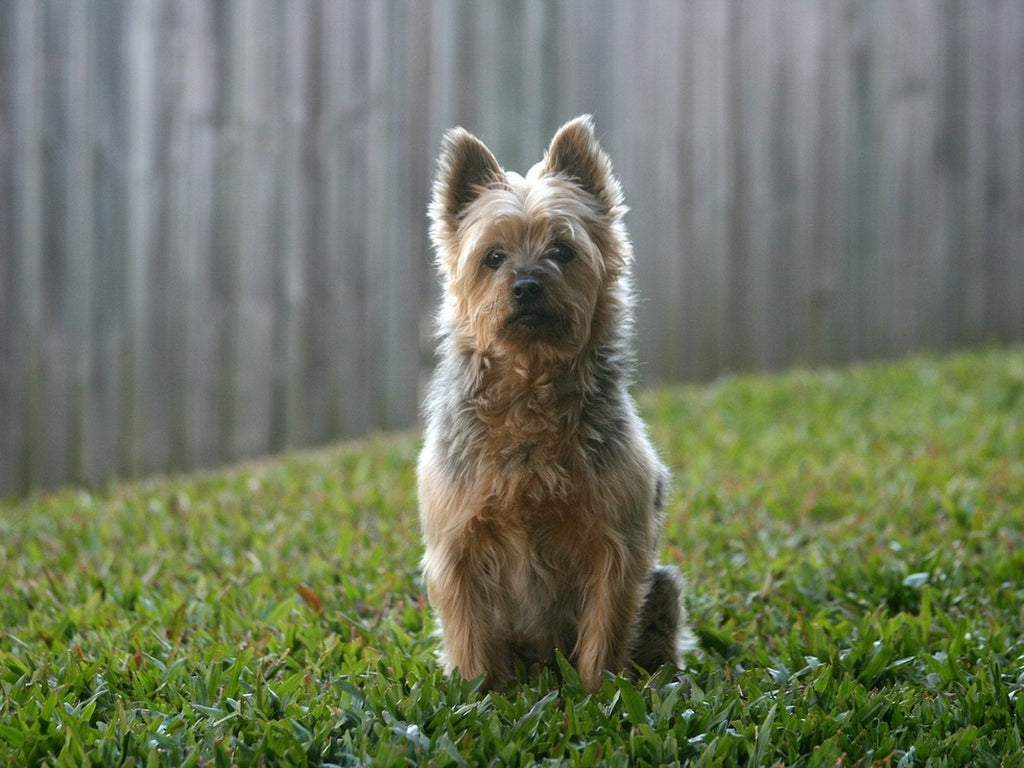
(540, 493)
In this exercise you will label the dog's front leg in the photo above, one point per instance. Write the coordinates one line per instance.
(471, 640)
(606, 620)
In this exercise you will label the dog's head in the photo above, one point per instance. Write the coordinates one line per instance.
(532, 265)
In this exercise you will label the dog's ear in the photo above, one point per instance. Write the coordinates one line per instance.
(465, 169)
(576, 154)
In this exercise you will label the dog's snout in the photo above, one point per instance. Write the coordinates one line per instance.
(526, 288)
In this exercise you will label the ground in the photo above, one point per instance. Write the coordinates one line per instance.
(852, 541)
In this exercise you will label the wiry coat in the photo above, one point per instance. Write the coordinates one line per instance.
(540, 493)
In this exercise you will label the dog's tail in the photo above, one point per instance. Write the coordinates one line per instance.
(662, 631)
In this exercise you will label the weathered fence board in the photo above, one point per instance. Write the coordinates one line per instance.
(212, 214)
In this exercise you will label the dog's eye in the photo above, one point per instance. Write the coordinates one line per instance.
(494, 259)
(562, 252)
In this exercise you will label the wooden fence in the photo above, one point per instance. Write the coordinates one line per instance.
(212, 229)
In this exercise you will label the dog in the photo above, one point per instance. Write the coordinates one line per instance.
(540, 493)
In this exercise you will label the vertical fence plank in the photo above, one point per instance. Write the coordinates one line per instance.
(823, 323)
(225, 256)
(180, 245)
(783, 274)
(979, 37)
(859, 170)
(1003, 240)
(356, 218)
(109, 247)
(291, 235)
(255, 85)
(711, 179)
(590, 58)
(57, 370)
(541, 66)
(889, 263)
(165, 351)
(1010, 129)
(139, 152)
(953, 160)
(798, 135)
(25, 262)
(203, 302)
(646, 159)
(373, 262)
(751, 101)
(692, 326)
(9, 268)
(406, 180)
(78, 288)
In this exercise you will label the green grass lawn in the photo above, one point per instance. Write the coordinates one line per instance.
(853, 541)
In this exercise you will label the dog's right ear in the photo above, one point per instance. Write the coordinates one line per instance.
(465, 169)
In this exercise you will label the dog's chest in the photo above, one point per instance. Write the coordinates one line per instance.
(545, 494)
(535, 470)
(528, 429)
(532, 472)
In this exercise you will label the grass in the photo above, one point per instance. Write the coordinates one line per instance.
(854, 542)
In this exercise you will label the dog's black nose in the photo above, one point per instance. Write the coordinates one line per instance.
(526, 288)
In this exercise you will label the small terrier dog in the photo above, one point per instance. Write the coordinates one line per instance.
(540, 493)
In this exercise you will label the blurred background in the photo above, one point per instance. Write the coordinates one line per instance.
(212, 212)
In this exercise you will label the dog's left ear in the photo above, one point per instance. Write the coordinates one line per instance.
(576, 154)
